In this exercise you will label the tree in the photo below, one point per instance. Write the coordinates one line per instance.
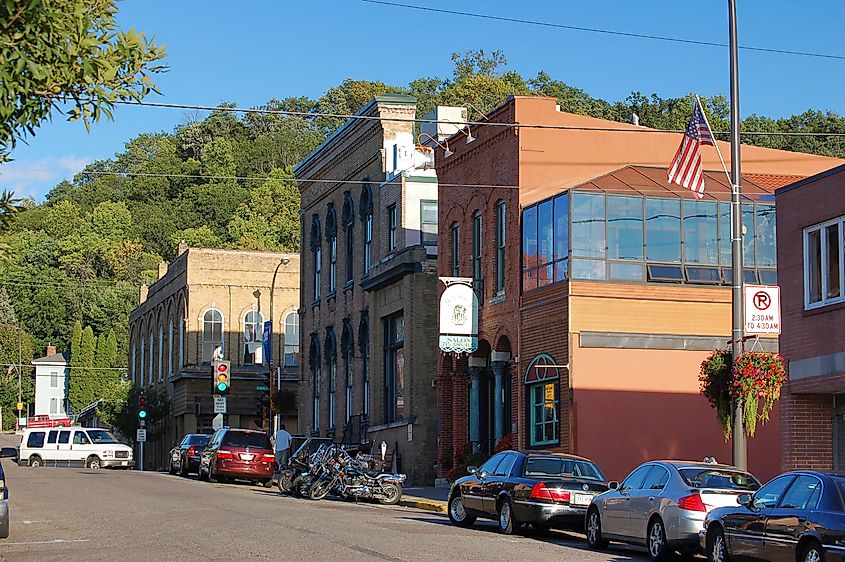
(84, 385)
(15, 345)
(7, 310)
(67, 49)
(269, 220)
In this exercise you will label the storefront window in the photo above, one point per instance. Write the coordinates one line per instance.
(541, 379)
(765, 236)
(588, 226)
(395, 368)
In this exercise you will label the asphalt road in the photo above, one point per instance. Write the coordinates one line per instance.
(80, 514)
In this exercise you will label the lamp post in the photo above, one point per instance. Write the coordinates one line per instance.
(270, 377)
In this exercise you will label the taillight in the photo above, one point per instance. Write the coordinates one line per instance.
(191, 451)
(266, 457)
(692, 503)
(225, 455)
(542, 492)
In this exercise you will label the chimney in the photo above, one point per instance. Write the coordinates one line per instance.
(51, 350)
(144, 291)
(183, 247)
(162, 269)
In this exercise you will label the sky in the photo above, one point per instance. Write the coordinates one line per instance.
(250, 52)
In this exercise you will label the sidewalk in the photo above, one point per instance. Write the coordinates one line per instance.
(426, 497)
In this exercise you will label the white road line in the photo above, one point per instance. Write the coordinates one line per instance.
(54, 541)
(28, 522)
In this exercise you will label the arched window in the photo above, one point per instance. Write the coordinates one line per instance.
(364, 348)
(331, 367)
(347, 348)
(542, 378)
(292, 339)
(317, 251)
(366, 212)
(151, 354)
(501, 228)
(160, 350)
(314, 363)
(141, 363)
(170, 345)
(181, 320)
(134, 353)
(212, 334)
(348, 219)
(253, 338)
(331, 239)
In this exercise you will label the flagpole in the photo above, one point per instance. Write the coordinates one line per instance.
(715, 142)
(739, 446)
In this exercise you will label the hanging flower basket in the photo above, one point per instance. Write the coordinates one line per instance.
(755, 380)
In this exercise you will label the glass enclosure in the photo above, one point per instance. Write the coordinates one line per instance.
(597, 236)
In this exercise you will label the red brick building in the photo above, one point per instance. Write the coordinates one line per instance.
(811, 227)
(594, 315)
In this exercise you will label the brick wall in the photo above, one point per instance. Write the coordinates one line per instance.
(806, 431)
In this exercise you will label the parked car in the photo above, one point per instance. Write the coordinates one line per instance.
(185, 457)
(73, 446)
(515, 488)
(796, 516)
(662, 505)
(5, 517)
(238, 454)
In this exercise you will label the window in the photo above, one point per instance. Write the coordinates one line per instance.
(54, 379)
(394, 372)
(624, 228)
(392, 225)
(588, 236)
(317, 251)
(367, 220)
(556, 467)
(500, 247)
(803, 494)
(634, 481)
(181, 337)
(656, 479)
(170, 347)
(141, 365)
(663, 230)
(428, 223)
(160, 351)
(253, 337)
(529, 248)
(346, 349)
(64, 437)
(150, 364)
(701, 242)
(54, 405)
(348, 218)
(35, 440)
(52, 437)
(476, 245)
(292, 340)
(823, 265)
(504, 467)
(491, 465)
(331, 367)
(212, 334)
(544, 403)
(315, 363)
(770, 494)
(545, 243)
(133, 366)
(364, 348)
(331, 239)
(456, 246)
(79, 438)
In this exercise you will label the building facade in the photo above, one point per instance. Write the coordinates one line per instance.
(601, 287)
(52, 374)
(811, 243)
(369, 286)
(216, 301)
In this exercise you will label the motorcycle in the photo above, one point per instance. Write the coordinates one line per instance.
(350, 478)
(294, 477)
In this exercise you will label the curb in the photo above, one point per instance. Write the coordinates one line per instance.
(428, 505)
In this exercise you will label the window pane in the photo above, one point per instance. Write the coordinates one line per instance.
(625, 227)
(625, 271)
(588, 234)
(429, 211)
(529, 279)
(749, 236)
(765, 236)
(701, 244)
(561, 212)
(832, 273)
(562, 270)
(529, 237)
(546, 235)
(725, 233)
(813, 277)
(588, 269)
(663, 230)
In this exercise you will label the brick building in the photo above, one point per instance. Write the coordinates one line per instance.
(208, 299)
(369, 286)
(594, 316)
(811, 243)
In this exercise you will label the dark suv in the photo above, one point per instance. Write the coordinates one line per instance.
(185, 457)
(238, 454)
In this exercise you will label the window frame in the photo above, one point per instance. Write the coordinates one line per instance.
(501, 236)
(434, 223)
(823, 263)
(392, 226)
(477, 232)
(205, 341)
(455, 256)
(257, 336)
(331, 239)
(532, 422)
(393, 344)
(290, 342)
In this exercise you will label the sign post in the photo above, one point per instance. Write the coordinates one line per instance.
(141, 436)
(762, 309)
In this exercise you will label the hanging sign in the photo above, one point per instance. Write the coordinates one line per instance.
(458, 316)
(762, 309)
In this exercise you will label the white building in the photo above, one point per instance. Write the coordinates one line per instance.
(51, 383)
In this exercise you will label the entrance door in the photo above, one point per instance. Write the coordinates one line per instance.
(839, 432)
(486, 396)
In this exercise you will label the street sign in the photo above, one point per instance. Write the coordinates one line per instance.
(217, 422)
(219, 404)
(762, 309)
(262, 388)
(141, 436)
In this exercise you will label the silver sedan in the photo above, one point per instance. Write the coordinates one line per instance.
(662, 505)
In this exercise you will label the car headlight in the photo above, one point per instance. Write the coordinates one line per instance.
(107, 453)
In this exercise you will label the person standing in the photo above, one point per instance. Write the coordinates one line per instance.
(282, 446)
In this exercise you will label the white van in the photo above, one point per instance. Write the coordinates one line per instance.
(73, 446)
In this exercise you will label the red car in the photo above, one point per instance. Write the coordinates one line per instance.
(44, 420)
(238, 454)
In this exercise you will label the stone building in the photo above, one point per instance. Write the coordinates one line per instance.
(369, 286)
(211, 299)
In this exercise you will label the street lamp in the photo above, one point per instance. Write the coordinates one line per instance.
(272, 379)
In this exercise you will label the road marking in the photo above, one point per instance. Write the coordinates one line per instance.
(28, 522)
(54, 541)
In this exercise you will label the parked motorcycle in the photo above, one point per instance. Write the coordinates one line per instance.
(294, 477)
(340, 474)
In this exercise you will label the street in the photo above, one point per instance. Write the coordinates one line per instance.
(76, 514)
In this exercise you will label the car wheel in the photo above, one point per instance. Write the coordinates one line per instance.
(183, 469)
(35, 461)
(211, 476)
(507, 525)
(201, 474)
(172, 470)
(94, 463)
(658, 549)
(458, 515)
(812, 552)
(717, 549)
(594, 536)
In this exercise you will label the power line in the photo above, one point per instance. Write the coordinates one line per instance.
(603, 31)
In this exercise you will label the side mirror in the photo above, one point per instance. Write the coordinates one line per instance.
(8, 453)
(745, 500)
(613, 485)
(472, 469)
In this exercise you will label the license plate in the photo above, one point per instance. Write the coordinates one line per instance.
(124, 463)
(582, 499)
(247, 457)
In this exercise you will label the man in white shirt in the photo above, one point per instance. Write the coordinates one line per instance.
(282, 446)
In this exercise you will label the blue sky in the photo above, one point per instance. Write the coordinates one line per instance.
(250, 52)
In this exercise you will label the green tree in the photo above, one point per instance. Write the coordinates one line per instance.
(67, 49)
(15, 349)
(7, 309)
(269, 220)
(84, 383)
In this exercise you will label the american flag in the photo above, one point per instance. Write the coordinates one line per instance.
(685, 169)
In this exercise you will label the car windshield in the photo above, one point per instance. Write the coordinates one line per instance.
(243, 439)
(718, 478)
(101, 436)
(198, 440)
(562, 467)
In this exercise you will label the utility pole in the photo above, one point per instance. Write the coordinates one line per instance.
(271, 382)
(739, 445)
(20, 366)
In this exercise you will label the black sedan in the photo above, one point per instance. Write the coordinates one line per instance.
(799, 515)
(515, 488)
(185, 457)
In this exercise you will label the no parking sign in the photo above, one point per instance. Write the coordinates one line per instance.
(762, 309)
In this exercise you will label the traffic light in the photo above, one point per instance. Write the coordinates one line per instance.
(142, 406)
(221, 377)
